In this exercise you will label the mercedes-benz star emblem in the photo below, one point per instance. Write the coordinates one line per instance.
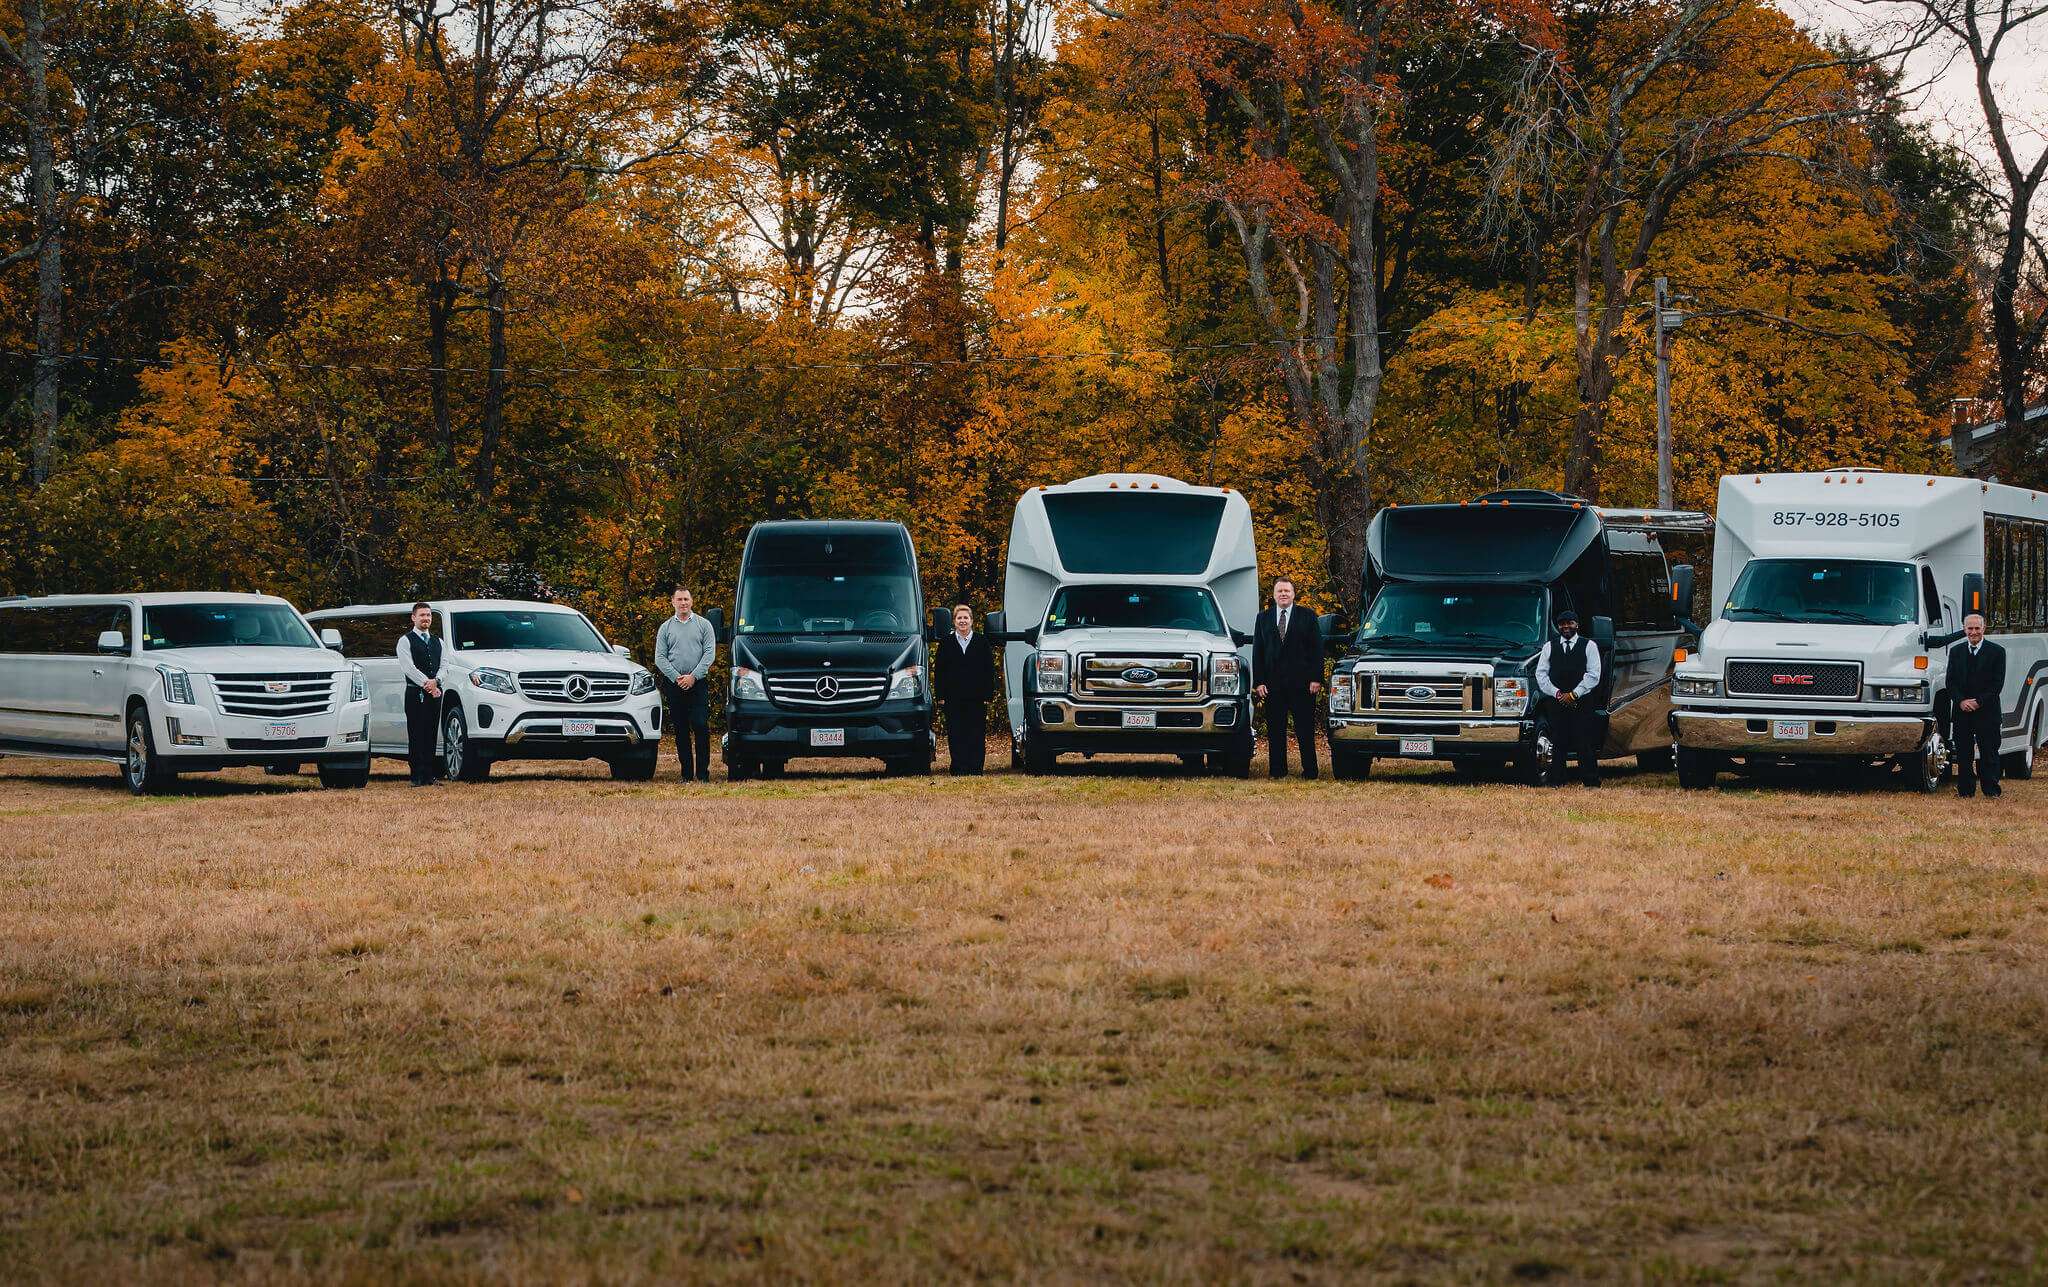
(828, 687)
(1420, 693)
(578, 688)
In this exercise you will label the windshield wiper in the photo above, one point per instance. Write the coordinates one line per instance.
(1847, 615)
(1767, 614)
(1366, 641)
(1502, 640)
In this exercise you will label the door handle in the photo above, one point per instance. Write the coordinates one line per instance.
(97, 672)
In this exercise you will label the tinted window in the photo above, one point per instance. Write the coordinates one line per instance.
(1170, 533)
(1851, 591)
(1464, 540)
(224, 625)
(1643, 589)
(67, 630)
(1403, 615)
(511, 628)
(1930, 598)
(1147, 607)
(373, 635)
(811, 582)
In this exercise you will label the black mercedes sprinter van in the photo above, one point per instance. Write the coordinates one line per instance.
(828, 649)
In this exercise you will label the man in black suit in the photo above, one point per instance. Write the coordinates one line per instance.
(1976, 687)
(1287, 662)
(963, 675)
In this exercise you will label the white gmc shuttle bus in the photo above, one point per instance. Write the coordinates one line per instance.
(1134, 596)
(524, 681)
(1836, 597)
(164, 684)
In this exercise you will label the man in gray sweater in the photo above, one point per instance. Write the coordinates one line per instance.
(684, 649)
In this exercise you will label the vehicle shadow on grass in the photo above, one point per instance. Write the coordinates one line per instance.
(196, 787)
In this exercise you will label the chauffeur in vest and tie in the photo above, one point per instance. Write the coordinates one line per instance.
(419, 656)
(1566, 674)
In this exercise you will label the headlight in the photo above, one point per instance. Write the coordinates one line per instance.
(643, 682)
(1511, 695)
(903, 683)
(177, 685)
(1052, 672)
(358, 687)
(1898, 692)
(1224, 679)
(747, 683)
(492, 680)
(1695, 686)
(1343, 690)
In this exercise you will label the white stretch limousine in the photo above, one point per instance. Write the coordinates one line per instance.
(164, 684)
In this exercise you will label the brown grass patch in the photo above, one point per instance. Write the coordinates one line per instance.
(1129, 1024)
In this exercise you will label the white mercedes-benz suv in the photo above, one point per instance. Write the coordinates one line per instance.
(529, 681)
(172, 683)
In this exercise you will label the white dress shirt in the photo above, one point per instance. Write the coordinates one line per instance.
(963, 640)
(1586, 685)
(412, 672)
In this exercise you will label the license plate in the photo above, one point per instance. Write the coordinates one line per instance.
(1141, 719)
(279, 732)
(1791, 730)
(1418, 746)
(579, 728)
(828, 737)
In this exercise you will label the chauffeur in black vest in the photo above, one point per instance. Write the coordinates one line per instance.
(1567, 675)
(1976, 692)
(419, 656)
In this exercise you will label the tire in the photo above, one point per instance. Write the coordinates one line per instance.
(1926, 767)
(1348, 767)
(1037, 759)
(1657, 761)
(1238, 764)
(286, 770)
(771, 768)
(144, 773)
(637, 767)
(738, 769)
(2020, 764)
(460, 758)
(1468, 769)
(1535, 763)
(1697, 769)
(345, 777)
(1195, 760)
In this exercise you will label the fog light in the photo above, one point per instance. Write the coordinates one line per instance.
(181, 738)
(484, 716)
(1048, 713)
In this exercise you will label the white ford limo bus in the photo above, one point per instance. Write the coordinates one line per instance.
(172, 683)
(525, 681)
(1836, 596)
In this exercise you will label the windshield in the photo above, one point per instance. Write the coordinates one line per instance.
(802, 580)
(1123, 533)
(1487, 615)
(1855, 591)
(511, 629)
(224, 625)
(1133, 607)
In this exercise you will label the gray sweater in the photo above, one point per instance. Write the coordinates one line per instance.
(685, 647)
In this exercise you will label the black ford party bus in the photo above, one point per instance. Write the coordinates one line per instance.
(828, 649)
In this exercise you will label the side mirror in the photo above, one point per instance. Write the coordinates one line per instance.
(621, 650)
(331, 638)
(997, 627)
(114, 643)
(938, 624)
(1681, 597)
(1932, 639)
(716, 616)
(1602, 631)
(1331, 627)
(1973, 593)
(1242, 637)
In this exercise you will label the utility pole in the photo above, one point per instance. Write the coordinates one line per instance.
(1664, 321)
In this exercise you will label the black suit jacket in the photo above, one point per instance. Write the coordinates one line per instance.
(964, 675)
(1290, 663)
(1981, 677)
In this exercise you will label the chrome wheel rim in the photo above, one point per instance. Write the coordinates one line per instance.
(138, 753)
(453, 736)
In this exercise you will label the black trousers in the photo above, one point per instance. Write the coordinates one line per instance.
(1575, 731)
(967, 735)
(689, 718)
(1298, 704)
(1977, 738)
(422, 719)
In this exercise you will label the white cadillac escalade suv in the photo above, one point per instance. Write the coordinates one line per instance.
(524, 680)
(164, 684)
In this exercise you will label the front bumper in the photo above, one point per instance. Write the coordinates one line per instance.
(760, 730)
(1063, 725)
(1831, 736)
(1451, 738)
(196, 738)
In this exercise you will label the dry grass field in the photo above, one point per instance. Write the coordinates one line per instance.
(1114, 1024)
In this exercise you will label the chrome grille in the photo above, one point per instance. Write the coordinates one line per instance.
(277, 696)
(825, 691)
(1838, 680)
(1125, 675)
(596, 687)
(1395, 694)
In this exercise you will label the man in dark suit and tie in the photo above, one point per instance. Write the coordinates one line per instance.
(419, 657)
(963, 675)
(1287, 662)
(1976, 692)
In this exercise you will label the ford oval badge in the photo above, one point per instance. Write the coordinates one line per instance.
(1421, 693)
(1140, 675)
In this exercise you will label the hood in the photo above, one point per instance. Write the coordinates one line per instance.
(1810, 641)
(248, 661)
(866, 653)
(520, 659)
(1468, 650)
(1129, 638)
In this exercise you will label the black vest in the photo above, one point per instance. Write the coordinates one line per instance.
(1567, 665)
(426, 657)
